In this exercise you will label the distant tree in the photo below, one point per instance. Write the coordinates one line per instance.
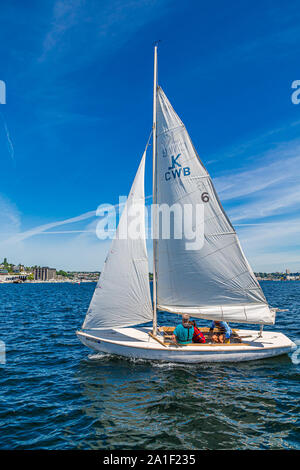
(9, 267)
(62, 273)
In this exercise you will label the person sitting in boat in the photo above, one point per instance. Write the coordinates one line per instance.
(183, 333)
(223, 334)
(198, 336)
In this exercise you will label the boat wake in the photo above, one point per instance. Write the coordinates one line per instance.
(295, 357)
(101, 357)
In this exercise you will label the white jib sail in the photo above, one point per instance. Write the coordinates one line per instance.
(214, 281)
(122, 295)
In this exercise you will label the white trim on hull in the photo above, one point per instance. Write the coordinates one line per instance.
(135, 343)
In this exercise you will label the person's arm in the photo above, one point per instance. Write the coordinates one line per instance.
(174, 337)
(201, 337)
(211, 329)
(227, 330)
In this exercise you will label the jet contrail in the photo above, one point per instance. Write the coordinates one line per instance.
(9, 142)
(45, 227)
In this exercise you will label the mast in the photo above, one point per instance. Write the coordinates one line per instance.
(154, 192)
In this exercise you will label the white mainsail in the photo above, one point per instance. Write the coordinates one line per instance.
(216, 281)
(122, 296)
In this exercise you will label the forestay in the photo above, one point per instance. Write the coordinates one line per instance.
(215, 281)
(122, 296)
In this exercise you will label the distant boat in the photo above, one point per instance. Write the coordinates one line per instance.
(214, 283)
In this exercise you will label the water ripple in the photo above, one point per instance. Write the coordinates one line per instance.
(56, 394)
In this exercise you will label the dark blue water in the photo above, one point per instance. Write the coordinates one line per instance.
(56, 394)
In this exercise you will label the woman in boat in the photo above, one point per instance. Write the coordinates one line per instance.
(198, 336)
(223, 333)
(183, 333)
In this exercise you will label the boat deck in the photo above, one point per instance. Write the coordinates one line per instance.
(140, 338)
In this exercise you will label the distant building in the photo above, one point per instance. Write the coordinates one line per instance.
(287, 271)
(44, 274)
(3, 271)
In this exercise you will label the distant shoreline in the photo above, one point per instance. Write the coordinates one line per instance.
(47, 282)
(95, 281)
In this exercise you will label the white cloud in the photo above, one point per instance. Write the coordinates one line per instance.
(282, 165)
(43, 228)
(69, 249)
(272, 246)
(95, 27)
(10, 218)
(65, 16)
(269, 186)
(281, 201)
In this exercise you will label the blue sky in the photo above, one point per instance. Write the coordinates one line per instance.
(79, 111)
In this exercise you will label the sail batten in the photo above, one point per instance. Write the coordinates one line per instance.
(216, 280)
(122, 296)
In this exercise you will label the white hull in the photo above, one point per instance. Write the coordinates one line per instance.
(136, 343)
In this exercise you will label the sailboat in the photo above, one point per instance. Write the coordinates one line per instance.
(214, 282)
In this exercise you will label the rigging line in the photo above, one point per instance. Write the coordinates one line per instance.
(147, 145)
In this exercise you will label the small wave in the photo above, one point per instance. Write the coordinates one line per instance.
(172, 365)
(98, 356)
(101, 356)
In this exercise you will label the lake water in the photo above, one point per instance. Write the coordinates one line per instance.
(57, 394)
